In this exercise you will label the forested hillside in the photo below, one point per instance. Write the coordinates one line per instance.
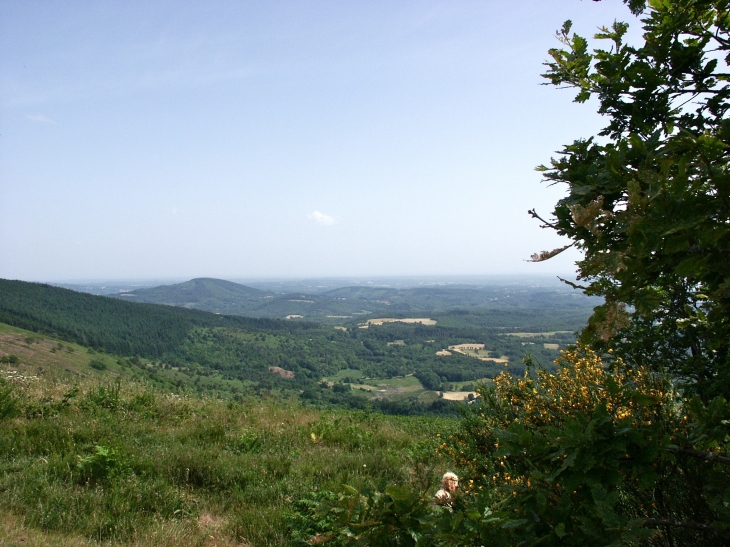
(203, 293)
(118, 327)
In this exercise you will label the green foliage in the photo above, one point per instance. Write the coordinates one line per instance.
(388, 515)
(97, 364)
(245, 441)
(586, 455)
(648, 201)
(109, 324)
(9, 406)
(103, 464)
(103, 397)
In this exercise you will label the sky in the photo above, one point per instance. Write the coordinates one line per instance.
(237, 139)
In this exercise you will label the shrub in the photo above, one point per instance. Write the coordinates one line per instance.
(245, 441)
(594, 454)
(97, 364)
(597, 454)
(103, 464)
(9, 407)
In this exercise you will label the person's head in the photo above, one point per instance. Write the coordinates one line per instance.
(450, 482)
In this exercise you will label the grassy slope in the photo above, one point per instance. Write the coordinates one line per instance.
(53, 360)
(179, 470)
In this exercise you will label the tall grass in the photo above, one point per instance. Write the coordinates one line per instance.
(122, 463)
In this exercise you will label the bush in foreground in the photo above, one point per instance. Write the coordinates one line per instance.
(592, 454)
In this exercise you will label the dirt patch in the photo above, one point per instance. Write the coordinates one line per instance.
(410, 320)
(208, 521)
(462, 347)
(536, 334)
(458, 395)
(281, 372)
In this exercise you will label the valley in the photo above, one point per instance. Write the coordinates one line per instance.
(189, 350)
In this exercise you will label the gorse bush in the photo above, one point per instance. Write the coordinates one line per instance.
(592, 454)
(598, 454)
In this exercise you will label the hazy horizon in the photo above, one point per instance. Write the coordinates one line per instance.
(174, 140)
(415, 279)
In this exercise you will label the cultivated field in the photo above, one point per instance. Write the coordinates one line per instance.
(411, 320)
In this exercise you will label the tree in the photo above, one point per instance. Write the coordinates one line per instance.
(648, 199)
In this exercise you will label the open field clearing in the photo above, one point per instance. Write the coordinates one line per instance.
(458, 395)
(389, 387)
(345, 374)
(502, 359)
(536, 334)
(475, 350)
(421, 320)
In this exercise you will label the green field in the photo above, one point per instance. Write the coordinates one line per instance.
(91, 455)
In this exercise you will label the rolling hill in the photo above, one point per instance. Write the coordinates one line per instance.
(214, 295)
(345, 304)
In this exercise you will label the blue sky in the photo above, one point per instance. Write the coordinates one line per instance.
(253, 139)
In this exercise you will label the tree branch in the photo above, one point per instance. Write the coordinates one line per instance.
(701, 454)
(685, 524)
(574, 285)
(545, 223)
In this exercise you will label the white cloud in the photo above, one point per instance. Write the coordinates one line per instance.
(39, 118)
(322, 219)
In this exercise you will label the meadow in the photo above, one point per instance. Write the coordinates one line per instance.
(123, 463)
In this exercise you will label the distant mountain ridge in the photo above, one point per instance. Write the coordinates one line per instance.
(348, 303)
